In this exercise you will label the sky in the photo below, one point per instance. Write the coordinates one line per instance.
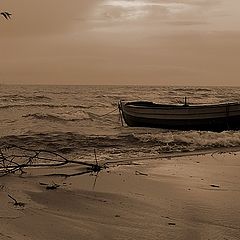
(154, 42)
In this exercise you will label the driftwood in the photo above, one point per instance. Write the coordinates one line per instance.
(15, 159)
(52, 186)
(16, 203)
(140, 173)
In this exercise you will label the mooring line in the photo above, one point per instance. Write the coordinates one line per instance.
(115, 109)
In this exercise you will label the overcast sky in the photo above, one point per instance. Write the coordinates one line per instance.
(163, 42)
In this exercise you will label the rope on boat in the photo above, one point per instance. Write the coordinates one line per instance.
(120, 112)
(114, 110)
(118, 108)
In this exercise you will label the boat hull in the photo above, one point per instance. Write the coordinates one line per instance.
(199, 117)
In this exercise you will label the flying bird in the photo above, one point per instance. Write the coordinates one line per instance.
(7, 15)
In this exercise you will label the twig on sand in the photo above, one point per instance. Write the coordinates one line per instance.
(48, 186)
(16, 203)
(52, 186)
(15, 159)
(95, 181)
(96, 167)
(140, 173)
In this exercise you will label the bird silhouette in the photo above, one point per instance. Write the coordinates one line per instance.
(7, 15)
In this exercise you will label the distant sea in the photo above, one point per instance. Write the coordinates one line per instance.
(77, 119)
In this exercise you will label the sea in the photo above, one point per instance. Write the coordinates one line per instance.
(78, 120)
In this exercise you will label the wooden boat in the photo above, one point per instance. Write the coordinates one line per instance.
(210, 117)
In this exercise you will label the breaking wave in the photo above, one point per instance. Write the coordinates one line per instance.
(17, 97)
(43, 105)
(126, 145)
(58, 118)
(181, 141)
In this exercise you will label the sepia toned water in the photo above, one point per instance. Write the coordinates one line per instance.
(76, 119)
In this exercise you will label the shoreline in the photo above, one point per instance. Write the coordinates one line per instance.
(181, 154)
(191, 197)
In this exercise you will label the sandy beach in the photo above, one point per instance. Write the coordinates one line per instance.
(97, 42)
(188, 197)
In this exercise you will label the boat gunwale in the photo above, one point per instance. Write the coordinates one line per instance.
(184, 112)
(153, 105)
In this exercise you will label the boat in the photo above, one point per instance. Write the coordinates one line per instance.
(207, 117)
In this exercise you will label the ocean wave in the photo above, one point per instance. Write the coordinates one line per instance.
(126, 144)
(192, 89)
(43, 105)
(86, 112)
(59, 140)
(172, 141)
(58, 118)
(17, 97)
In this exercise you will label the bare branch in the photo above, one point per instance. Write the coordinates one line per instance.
(16, 203)
(16, 159)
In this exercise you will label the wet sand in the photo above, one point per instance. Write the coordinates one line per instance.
(188, 197)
